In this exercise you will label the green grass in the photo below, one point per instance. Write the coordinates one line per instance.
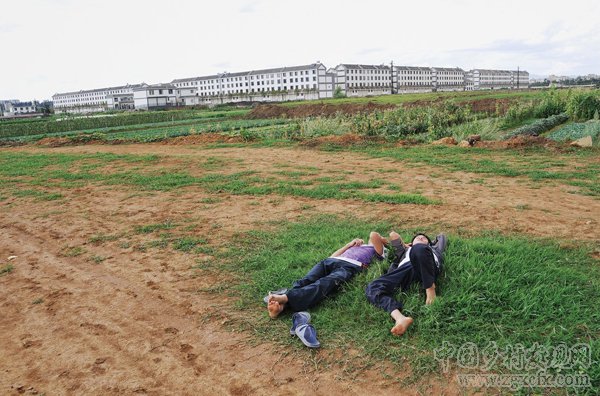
(534, 163)
(37, 194)
(50, 169)
(101, 238)
(186, 244)
(149, 228)
(73, 251)
(97, 259)
(6, 269)
(508, 290)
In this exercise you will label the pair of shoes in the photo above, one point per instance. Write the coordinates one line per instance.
(304, 330)
(280, 291)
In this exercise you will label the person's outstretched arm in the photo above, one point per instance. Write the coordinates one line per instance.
(377, 241)
(354, 242)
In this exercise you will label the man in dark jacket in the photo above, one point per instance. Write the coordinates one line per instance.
(419, 261)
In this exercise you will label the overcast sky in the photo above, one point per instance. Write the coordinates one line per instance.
(66, 45)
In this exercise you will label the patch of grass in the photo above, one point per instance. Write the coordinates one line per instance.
(149, 228)
(6, 269)
(211, 200)
(533, 163)
(67, 168)
(97, 259)
(99, 239)
(240, 184)
(73, 251)
(213, 163)
(494, 288)
(204, 250)
(293, 174)
(37, 194)
(186, 244)
(37, 301)
(523, 207)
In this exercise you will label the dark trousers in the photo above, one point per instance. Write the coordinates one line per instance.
(323, 279)
(422, 268)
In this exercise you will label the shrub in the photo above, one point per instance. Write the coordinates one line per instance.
(583, 105)
(338, 93)
(517, 113)
(323, 126)
(553, 102)
(404, 122)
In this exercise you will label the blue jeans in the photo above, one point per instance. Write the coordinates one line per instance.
(421, 268)
(323, 279)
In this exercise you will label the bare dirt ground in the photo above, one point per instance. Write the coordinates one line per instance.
(142, 321)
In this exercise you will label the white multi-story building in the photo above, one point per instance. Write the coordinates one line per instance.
(520, 79)
(484, 79)
(307, 82)
(156, 96)
(445, 79)
(268, 85)
(94, 100)
(363, 80)
(491, 79)
(412, 79)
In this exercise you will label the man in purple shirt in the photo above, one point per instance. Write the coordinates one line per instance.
(326, 276)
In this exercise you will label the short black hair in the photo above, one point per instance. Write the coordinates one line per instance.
(425, 235)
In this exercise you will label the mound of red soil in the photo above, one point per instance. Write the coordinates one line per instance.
(348, 139)
(54, 142)
(314, 110)
(520, 142)
(488, 105)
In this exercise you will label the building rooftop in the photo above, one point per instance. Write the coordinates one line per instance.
(448, 69)
(363, 67)
(248, 73)
(412, 68)
(155, 86)
(499, 71)
(98, 90)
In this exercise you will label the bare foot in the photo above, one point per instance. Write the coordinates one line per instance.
(280, 298)
(430, 293)
(402, 324)
(275, 309)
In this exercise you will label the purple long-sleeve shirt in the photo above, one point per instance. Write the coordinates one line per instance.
(363, 254)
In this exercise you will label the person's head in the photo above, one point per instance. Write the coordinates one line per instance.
(421, 238)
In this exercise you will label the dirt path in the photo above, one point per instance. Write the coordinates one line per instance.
(137, 321)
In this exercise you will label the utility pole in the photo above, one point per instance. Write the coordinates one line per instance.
(517, 77)
(392, 77)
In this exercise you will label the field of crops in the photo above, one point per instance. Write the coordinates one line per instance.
(153, 132)
(418, 117)
(67, 124)
(576, 131)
